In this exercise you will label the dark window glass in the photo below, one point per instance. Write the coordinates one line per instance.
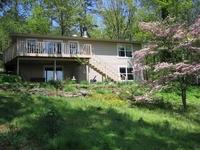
(122, 70)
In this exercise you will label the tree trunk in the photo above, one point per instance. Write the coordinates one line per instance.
(184, 98)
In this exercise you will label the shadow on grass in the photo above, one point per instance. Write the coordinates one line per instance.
(8, 108)
(192, 114)
(49, 123)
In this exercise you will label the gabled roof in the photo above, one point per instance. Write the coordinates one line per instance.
(72, 38)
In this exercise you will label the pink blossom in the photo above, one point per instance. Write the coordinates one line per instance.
(171, 36)
(161, 66)
(143, 97)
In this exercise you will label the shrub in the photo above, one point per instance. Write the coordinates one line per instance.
(12, 137)
(100, 91)
(107, 143)
(98, 83)
(72, 82)
(55, 83)
(66, 81)
(9, 78)
(50, 122)
(107, 81)
(84, 82)
(129, 92)
(69, 89)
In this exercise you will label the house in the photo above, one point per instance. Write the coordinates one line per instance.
(46, 57)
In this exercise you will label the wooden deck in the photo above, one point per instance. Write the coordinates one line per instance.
(42, 50)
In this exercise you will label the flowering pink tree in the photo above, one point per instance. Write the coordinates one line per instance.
(172, 54)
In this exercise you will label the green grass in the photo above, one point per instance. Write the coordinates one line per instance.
(99, 122)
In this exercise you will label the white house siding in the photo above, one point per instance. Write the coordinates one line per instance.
(107, 51)
(80, 73)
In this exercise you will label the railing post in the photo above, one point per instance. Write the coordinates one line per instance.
(17, 50)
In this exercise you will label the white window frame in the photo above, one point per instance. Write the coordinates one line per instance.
(61, 41)
(71, 52)
(126, 79)
(124, 50)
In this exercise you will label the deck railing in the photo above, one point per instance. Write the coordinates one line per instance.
(46, 49)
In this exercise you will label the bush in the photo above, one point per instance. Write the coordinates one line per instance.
(9, 78)
(70, 89)
(68, 81)
(84, 82)
(129, 92)
(55, 83)
(50, 122)
(100, 91)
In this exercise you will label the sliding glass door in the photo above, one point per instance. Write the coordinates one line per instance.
(53, 47)
(49, 73)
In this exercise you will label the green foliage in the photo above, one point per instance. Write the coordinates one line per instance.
(50, 122)
(95, 122)
(11, 137)
(100, 91)
(55, 83)
(63, 143)
(66, 81)
(129, 92)
(37, 22)
(69, 81)
(9, 78)
(117, 17)
(107, 142)
(107, 81)
(84, 82)
(72, 82)
(98, 83)
(70, 89)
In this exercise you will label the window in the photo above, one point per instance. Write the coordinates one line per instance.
(124, 50)
(73, 47)
(31, 45)
(126, 73)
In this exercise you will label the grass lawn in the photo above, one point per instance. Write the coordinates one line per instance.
(100, 121)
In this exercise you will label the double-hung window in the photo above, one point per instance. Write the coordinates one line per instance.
(124, 50)
(126, 73)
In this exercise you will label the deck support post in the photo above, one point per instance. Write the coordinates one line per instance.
(54, 70)
(17, 66)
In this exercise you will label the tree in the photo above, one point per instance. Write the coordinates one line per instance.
(63, 14)
(11, 20)
(172, 54)
(117, 15)
(172, 8)
(85, 19)
(37, 22)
